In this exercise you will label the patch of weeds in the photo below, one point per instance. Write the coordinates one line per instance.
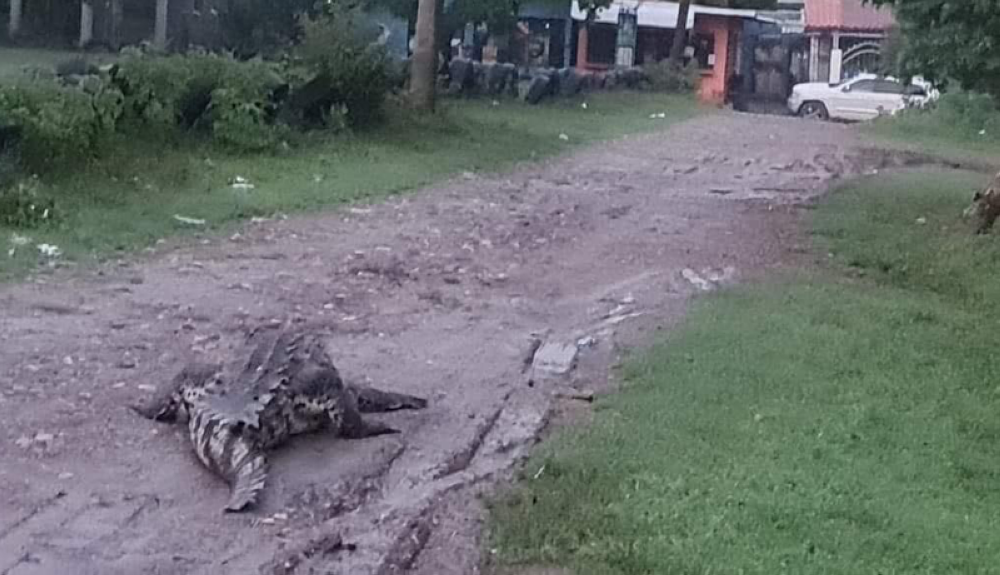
(23, 207)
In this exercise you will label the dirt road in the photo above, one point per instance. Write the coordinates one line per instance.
(438, 294)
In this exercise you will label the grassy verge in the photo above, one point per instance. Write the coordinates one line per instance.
(962, 127)
(129, 200)
(821, 424)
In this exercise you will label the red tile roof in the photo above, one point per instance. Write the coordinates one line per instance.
(847, 15)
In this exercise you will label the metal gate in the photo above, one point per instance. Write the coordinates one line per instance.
(773, 63)
(860, 58)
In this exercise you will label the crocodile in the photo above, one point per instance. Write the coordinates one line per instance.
(288, 387)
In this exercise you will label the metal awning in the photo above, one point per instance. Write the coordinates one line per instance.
(656, 14)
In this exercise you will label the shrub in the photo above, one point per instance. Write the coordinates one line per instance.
(353, 71)
(665, 76)
(232, 99)
(967, 115)
(59, 125)
(21, 206)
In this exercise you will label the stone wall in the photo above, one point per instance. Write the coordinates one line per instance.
(472, 78)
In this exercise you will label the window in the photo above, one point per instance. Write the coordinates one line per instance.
(601, 41)
(888, 87)
(863, 86)
(704, 50)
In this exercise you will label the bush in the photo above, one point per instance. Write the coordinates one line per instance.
(354, 72)
(665, 76)
(60, 125)
(230, 98)
(968, 116)
(21, 206)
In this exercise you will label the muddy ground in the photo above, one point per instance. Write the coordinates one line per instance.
(499, 298)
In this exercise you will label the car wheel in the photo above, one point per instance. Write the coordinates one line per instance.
(814, 111)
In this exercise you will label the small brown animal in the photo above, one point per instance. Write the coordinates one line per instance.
(986, 206)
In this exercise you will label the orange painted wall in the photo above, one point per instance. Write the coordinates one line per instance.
(714, 82)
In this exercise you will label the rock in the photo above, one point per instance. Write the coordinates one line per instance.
(496, 78)
(570, 83)
(462, 76)
(44, 438)
(555, 358)
(536, 89)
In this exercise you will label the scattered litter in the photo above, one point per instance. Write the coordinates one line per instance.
(240, 183)
(982, 132)
(658, 116)
(696, 280)
(146, 387)
(539, 473)
(564, 137)
(587, 396)
(189, 221)
(19, 240)
(719, 276)
(587, 341)
(921, 221)
(49, 250)
(620, 318)
(583, 105)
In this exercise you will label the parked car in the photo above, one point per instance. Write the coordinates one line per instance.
(861, 98)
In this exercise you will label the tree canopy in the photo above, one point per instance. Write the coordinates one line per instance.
(950, 40)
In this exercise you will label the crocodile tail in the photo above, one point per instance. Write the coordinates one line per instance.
(249, 481)
(228, 450)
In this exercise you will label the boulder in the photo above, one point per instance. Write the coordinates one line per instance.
(496, 78)
(536, 89)
(462, 75)
(570, 83)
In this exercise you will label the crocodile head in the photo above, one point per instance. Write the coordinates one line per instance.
(171, 399)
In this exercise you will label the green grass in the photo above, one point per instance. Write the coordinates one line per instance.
(129, 200)
(963, 127)
(817, 424)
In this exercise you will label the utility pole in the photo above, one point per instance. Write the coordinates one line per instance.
(680, 33)
(423, 67)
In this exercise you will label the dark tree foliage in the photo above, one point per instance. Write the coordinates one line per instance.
(950, 40)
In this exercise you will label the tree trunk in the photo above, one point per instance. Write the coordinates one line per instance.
(14, 24)
(115, 27)
(160, 29)
(680, 33)
(423, 67)
(86, 23)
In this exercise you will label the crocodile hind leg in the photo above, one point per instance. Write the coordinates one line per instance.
(347, 418)
(371, 400)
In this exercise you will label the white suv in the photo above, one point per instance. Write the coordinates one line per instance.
(861, 98)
